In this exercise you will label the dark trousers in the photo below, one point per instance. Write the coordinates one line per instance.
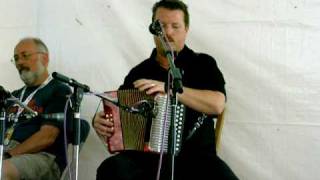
(143, 166)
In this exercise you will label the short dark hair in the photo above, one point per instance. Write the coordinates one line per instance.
(172, 5)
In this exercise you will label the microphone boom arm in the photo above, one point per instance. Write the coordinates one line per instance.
(141, 107)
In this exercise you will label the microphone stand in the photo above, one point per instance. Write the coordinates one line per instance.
(76, 99)
(175, 86)
(3, 99)
(3, 121)
(2, 127)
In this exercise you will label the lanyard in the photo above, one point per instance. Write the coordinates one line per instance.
(10, 130)
(28, 99)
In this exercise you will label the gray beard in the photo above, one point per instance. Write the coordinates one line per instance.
(29, 78)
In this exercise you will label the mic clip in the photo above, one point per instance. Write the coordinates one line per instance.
(196, 125)
(143, 107)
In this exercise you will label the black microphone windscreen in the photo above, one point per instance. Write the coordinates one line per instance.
(60, 77)
(70, 81)
(4, 93)
(155, 28)
(54, 74)
(151, 30)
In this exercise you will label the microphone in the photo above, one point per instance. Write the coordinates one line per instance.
(155, 28)
(4, 93)
(70, 81)
(52, 116)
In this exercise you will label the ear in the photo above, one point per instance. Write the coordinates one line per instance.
(45, 59)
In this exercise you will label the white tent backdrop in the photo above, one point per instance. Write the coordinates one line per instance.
(266, 50)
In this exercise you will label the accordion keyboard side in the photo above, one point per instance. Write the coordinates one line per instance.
(160, 128)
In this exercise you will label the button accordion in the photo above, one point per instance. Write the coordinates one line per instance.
(146, 131)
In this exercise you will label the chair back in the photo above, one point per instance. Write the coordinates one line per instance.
(84, 133)
(218, 128)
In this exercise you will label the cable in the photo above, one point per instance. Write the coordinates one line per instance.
(65, 138)
(164, 127)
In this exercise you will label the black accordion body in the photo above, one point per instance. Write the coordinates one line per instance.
(148, 132)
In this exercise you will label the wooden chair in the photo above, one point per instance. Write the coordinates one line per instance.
(218, 128)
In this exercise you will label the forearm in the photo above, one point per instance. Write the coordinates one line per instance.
(205, 101)
(37, 142)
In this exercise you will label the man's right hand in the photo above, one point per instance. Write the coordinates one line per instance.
(103, 125)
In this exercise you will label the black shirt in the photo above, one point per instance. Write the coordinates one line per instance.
(200, 71)
(49, 99)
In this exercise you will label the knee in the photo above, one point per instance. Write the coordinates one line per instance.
(115, 167)
(10, 172)
(103, 169)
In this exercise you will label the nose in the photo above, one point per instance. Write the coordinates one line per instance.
(169, 31)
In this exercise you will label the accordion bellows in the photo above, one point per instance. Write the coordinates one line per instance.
(149, 132)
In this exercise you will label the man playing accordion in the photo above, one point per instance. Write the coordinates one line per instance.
(203, 96)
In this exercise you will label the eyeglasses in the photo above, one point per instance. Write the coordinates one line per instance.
(23, 56)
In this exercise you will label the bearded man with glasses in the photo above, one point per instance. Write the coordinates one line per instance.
(34, 149)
